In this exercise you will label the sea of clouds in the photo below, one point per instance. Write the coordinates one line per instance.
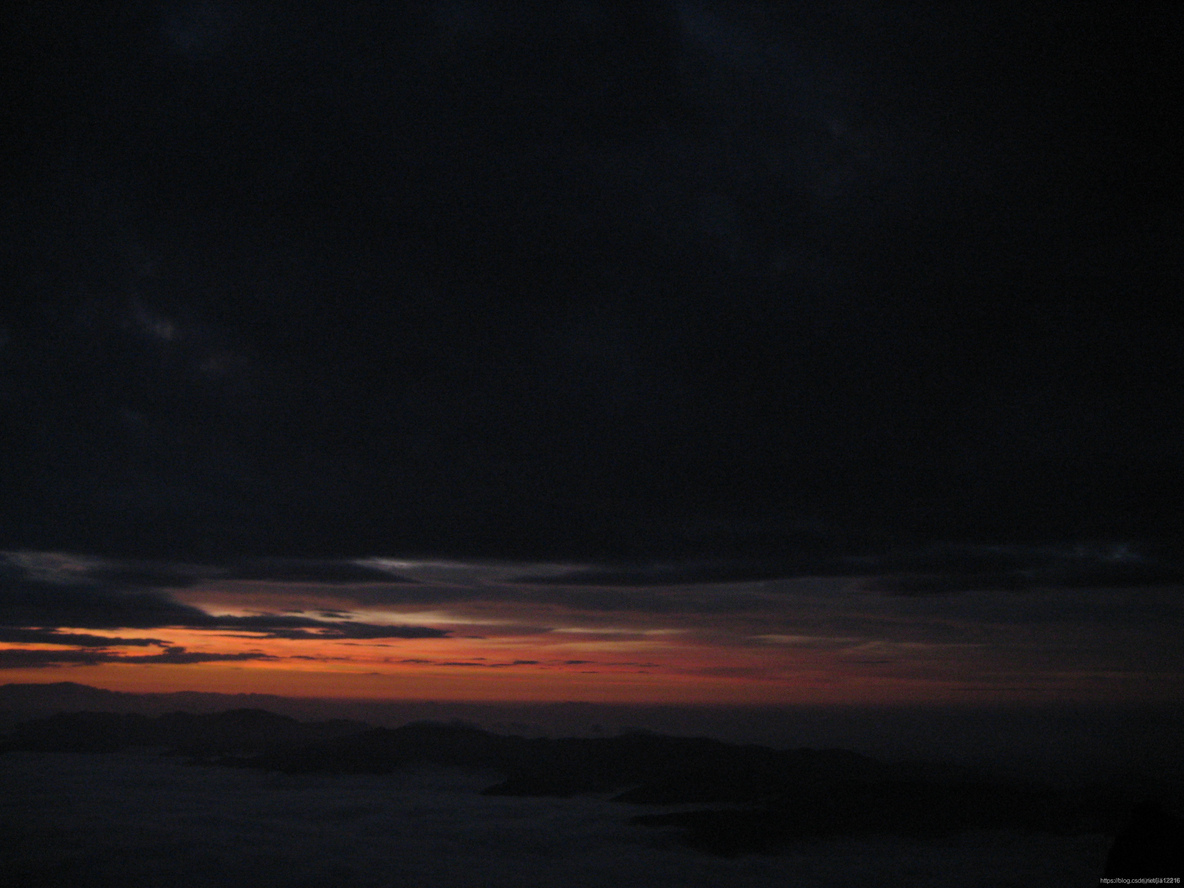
(144, 819)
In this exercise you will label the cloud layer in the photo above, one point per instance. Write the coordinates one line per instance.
(578, 279)
(934, 624)
(156, 821)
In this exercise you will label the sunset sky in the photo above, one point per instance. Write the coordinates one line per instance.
(383, 628)
(688, 351)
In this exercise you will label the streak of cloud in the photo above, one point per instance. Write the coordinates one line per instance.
(31, 602)
(73, 639)
(28, 658)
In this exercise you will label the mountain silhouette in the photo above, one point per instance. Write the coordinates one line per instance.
(235, 732)
(747, 798)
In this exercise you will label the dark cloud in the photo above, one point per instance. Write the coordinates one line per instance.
(296, 570)
(180, 655)
(459, 663)
(161, 575)
(20, 658)
(941, 570)
(1120, 572)
(571, 279)
(29, 604)
(688, 572)
(23, 658)
(922, 585)
(321, 659)
(697, 599)
(320, 629)
(934, 568)
(73, 639)
(474, 663)
(156, 576)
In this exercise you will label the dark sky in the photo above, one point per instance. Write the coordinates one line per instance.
(764, 283)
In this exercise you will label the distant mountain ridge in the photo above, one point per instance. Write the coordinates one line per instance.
(234, 732)
(20, 702)
(760, 798)
(750, 798)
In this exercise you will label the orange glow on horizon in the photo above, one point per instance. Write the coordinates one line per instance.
(755, 644)
(474, 670)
